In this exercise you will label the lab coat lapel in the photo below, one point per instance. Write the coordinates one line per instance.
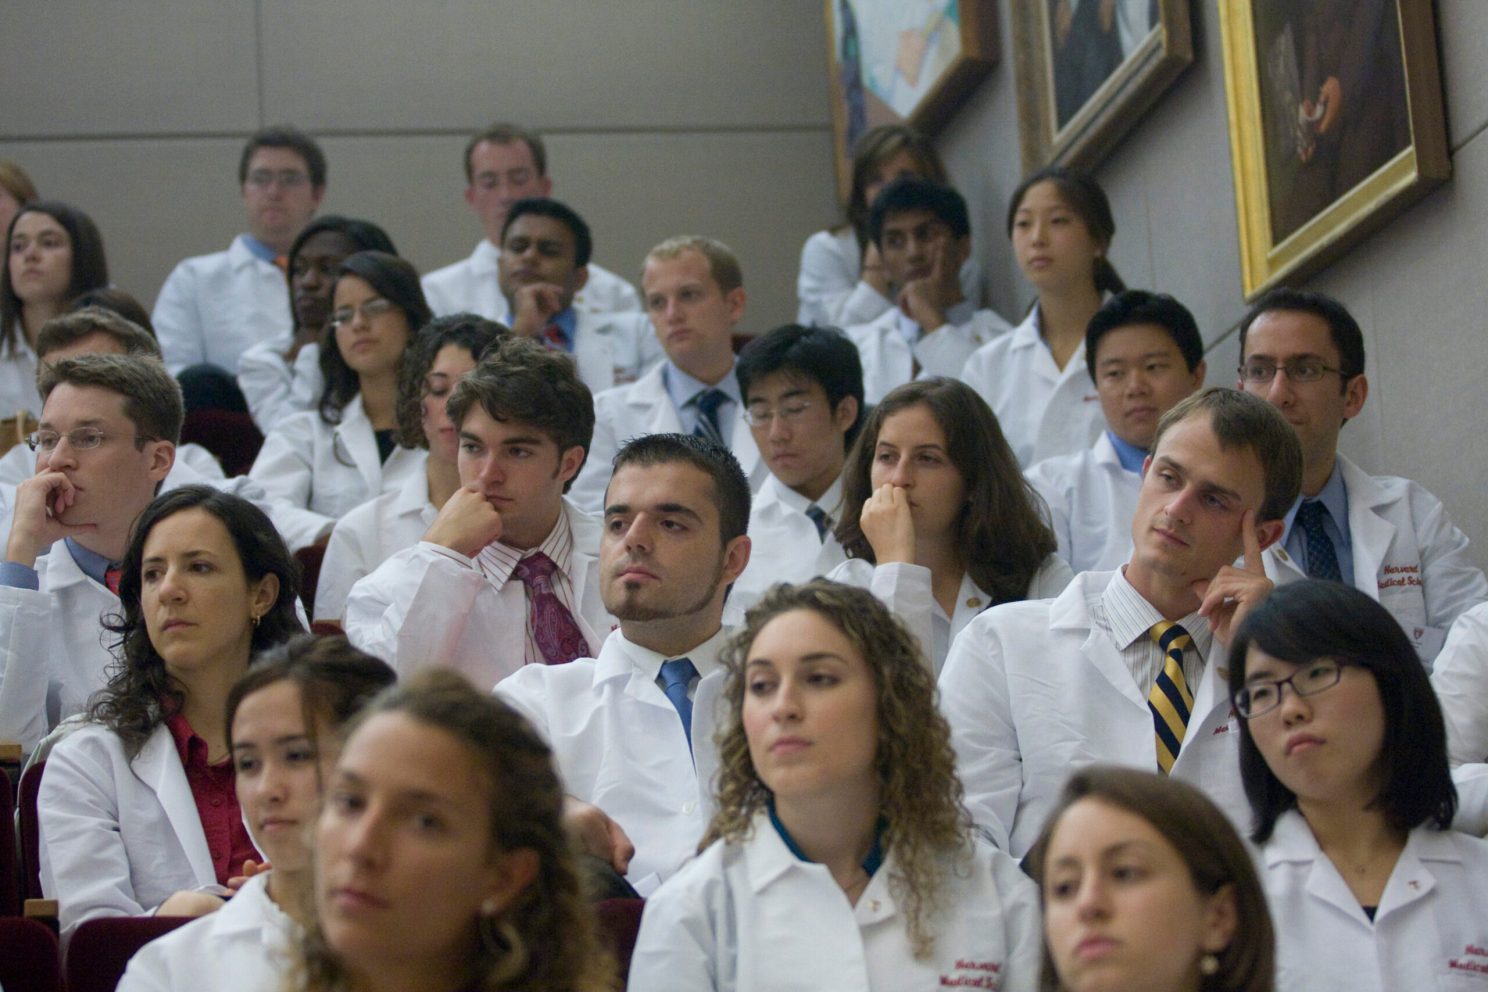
(354, 433)
(1370, 532)
(158, 766)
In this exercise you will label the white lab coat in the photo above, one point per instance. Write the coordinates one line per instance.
(830, 285)
(192, 460)
(783, 543)
(214, 307)
(889, 361)
(618, 743)
(427, 605)
(368, 536)
(52, 654)
(1092, 500)
(244, 947)
(1034, 690)
(1460, 678)
(118, 837)
(1043, 411)
(470, 285)
(752, 916)
(1430, 932)
(906, 590)
(1407, 555)
(324, 471)
(275, 388)
(18, 379)
(643, 407)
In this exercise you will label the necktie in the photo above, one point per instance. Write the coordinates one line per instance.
(708, 402)
(111, 578)
(554, 338)
(823, 522)
(676, 677)
(1322, 558)
(558, 636)
(1169, 699)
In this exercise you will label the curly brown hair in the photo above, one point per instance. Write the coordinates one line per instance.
(920, 795)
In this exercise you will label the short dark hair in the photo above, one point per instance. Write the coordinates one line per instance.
(152, 399)
(285, 136)
(520, 381)
(1240, 420)
(911, 193)
(1083, 195)
(1342, 327)
(1211, 851)
(396, 281)
(508, 134)
(59, 332)
(119, 302)
(363, 235)
(1303, 621)
(1137, 306)
(543, 206)
(469, 331)
(823, 355)
(730, 485)
(873, 150)
(89, 264)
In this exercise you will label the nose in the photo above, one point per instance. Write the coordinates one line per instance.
(1294, 707)
(1180, 504)
(270, 783)
(363, 838)
(63, 455)
(787, 703)
(491, 472)
(1039, 232)
(1090, 900)
(902, 476)
(638, 536)
(1279, 390)
(168, 587)
(1137, 384)
(779, 429)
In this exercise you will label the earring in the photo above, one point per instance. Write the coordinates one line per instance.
(1209, 965)
(489, 907)
(256, 621)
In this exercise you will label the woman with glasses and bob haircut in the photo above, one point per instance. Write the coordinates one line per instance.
(1148, 888)
(840, 855)
(1344, 759)
(329, 460)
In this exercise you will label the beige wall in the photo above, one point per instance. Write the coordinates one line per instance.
(1419, 287)
(662, 117)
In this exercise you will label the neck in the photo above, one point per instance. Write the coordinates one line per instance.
(1174, 600)
(105, 542)
(279, 246)
(1349, 832)
(675, 636)
(291, 891)
(941, 556)
(400, 975)
(815, 489)
(33, 315)
(711, 369)
(1315, 474)
(443, 478)
(833, 827)
(380, 399)
(531, 537)
(1064, 314)
(205, 707)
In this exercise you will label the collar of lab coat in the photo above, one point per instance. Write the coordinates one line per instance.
(354, 434)
(620, 658)
(775, 496)
(648, 397)
(1370, 530)
(253, 914)
(158, 766)
(62, 571)
(240, 256)
(412, 497)
(1412, 878)
(769, 860)
(483, 259)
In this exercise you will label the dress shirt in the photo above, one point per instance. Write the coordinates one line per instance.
(1127, 618)
(682, 387)
(1334, 497)
(497, 561)
(1131, 457)
(212, 788)
(567, 321)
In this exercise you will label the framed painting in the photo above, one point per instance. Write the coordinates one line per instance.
(1088, 69)
(1336, 125)
(903, 61)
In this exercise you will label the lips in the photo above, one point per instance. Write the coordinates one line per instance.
(789, 745)
(350, 900)
(1169, 537)
(1302, 742)
(1094, 947)
(174, 625)
(635, 572)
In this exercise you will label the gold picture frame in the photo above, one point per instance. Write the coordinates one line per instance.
(902, 61)
(1310, 180)
(1088, 69)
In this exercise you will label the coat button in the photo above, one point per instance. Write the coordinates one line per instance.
(974, 602)
(690, 807)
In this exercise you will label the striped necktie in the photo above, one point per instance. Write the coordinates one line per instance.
(1169, 699)
(707, 403)
(823, 522)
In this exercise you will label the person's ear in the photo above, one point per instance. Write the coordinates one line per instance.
(846, 413)
(580, 277)
(1199, 372)
(264, 596)
(735, 298)
(162, 458)
(1355, 392)
(1269, 533)
(1221, 920)
(735, 558)
(569, 463)
(510, 874)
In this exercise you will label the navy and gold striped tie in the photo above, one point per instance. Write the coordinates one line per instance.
(1169, 700)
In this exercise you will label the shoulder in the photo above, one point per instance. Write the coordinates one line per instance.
(693, 885)
(453, 272)
(853, 572)
(198, 264)
(556, 683)
(829, 244)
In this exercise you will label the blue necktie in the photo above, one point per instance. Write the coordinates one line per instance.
(676, 677)
(708, 402)
(823, 522)
(1322, 557)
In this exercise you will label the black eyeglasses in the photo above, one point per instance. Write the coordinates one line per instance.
(1264, 695)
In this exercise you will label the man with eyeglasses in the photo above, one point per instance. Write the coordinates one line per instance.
(214, 307)
(803, 402)
(1388, 537)
(107, 440)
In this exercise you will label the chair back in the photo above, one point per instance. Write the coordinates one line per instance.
(28, 957)
(619, 923)
(30, 827)
(100, 949)
(233, 437)
(310, 560)
(10, 862)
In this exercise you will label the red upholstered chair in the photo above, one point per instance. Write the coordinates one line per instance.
(30, 832)
(100, 949)
(310, 560)
(619, 923)
(10, 865)
(232, 437)
(28, 957)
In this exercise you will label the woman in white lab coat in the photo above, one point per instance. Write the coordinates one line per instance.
(840, 855)
(1147, 888)
(1035, 378)
(440, 356)
(284, 718)
(328, 460)
(53, 252)
(1344, 759)
(441, 859)
(842, 280)
(206, 581)
(938, 520)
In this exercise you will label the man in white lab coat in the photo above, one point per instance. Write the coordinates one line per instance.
(923, 235)
(1128, 666)
(695, 297)
(109, 427)
(507, 574)
(803, 394)
(1388, 537)
(503, 164)
(214, 307)
(632, 729)
(1145, 354)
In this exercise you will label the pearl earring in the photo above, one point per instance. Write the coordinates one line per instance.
(1209, 965)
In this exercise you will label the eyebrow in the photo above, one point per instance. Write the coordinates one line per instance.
(668, 509)
(1206, 485)
(914, 447)
(814, 657)
(1145, 356)
(193, 553)
(286, 739)
(85, 422)
(402, 795)
(788, 394)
